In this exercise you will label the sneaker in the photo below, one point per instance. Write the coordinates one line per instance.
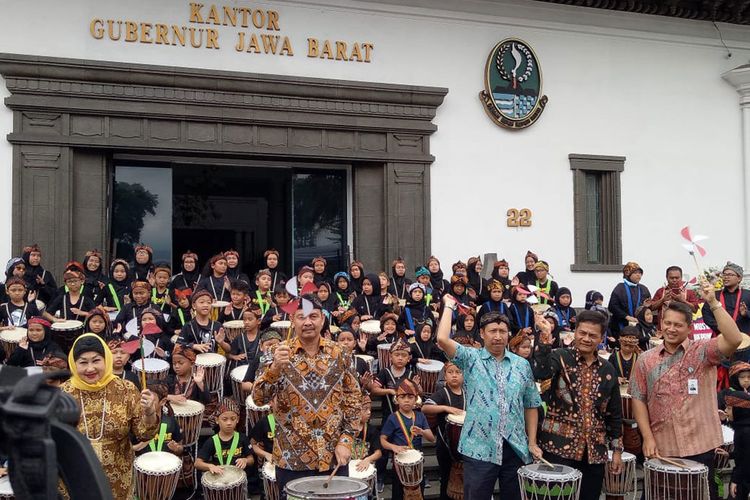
(381, 486)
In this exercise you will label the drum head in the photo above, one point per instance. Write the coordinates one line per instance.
(238, 374)
(252, 406)
(159, 462)
(209, 359)
(431, 366)
(370, 326)
(456, 419)
(67, 325)
(232, 476)
(235, 323)
(188, 408)
(367, 473)
(13, 335)
(409, 457)
(269, 470)
(728, 434)
(339, 487)
(626, 457)
(219, 303)
(281, 325)
(690, 465)
(151, 365)
(555, 473)
(384, 347)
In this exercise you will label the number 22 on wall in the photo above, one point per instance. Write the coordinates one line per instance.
(518, 218)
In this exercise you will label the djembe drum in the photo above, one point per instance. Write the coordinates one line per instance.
(721, 461)
(233, 329)
(10, 339)
(428, 375)
(216, 307)
(213, 370)
(188, 416)
(409, 466)
(254, 413)
(270, 486)
(154, 368)
(369, 360)
(371, 327)
(384, 356)
(237, 375)
(542, 482)
(156, 475)
(66, 332)
(616, 486)
(368, 475)
(663, 481)
(230, 485)
(453, 426)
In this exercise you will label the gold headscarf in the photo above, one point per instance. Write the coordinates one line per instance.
(108, 376)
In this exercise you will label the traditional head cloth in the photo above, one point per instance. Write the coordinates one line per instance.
(501, 263)
(184, 351)
(44, 343)
(472, 262)
(38, 320)
(422, 271)
(72, 273)
(630, 268)
(141, 284)
(115, 342)
(531, 254)
(190, 255)
(269, 335)
(144, 247)
(431, 259)
(54, 361)
(121, 262)
(185, 293)
(463, 337)
(517, 340)
(348, 315)
(738, 367)
(271, 251)
(14, 281)
(12, 263)
(162, 267)
(94, 253)
(263, 272)
(228, 404)
(457, 266)
(400, 345)
(99, 311)
(415, 286)
(541, 266)
(31, 249)
(201, 293)
(407, 387)
(735, 268)
(495, 285)
(232, 252)
(389, 316)
(216, 258)
(90, 342)
(458, 279)
(398, 260)
(319, 258)
(305, 269)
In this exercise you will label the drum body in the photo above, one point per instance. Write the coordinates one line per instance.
(340, 488)
(428, 375)
(254, 413)
(237, 375)
(369, 360)
(189, 416)
(538, 482)
(213, 369)
(627, 407)
(371, 327)
(368, 475)
(409, 465)
(66, 332)
(11, 338)
(155, 369)
(270, 486)
(624, 482)
(721, 462)
(233, 329)
(216, 307)
(282, 327)
(156, 475)
(453, 426)
(663, 481)
(231, 485)
(384, 356)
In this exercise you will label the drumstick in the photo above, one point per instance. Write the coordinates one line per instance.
(545, 462)
(335, 470)
(681, 465)
(143, 365)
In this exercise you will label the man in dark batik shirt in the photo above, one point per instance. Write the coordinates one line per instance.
(584, 412)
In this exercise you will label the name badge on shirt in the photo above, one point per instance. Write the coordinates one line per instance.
(693, 386)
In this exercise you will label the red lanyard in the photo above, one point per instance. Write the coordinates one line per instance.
(736, 305)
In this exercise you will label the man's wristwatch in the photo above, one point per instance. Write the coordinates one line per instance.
(716, 306)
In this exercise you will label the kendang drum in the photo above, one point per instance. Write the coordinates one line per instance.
(618, 485)
(254, 413)
(453, 426)
(540, 481)
(368, 475)
(233, 329)
(156, 475)
(384, 356)
(428, 374)
(188, 416)
(340, 488)
(216, 307)
(213, 370)
(237, 375)
(282, 327)
(663, 481)
(270, 486)
(371, 327)
(369, 360)
(721, 461)
(155, 369)
(66, 332)
(230, 485)
(11, 338)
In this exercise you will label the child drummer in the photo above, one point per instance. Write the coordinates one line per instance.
(366, 446)
(202, 333)
(228, 446)
(17, 311)
(404, 429)
(169, 436)
(446, 401)
(625, 356)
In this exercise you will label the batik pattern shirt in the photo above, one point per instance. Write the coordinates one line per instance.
(497, 395)
(317, 405)
(584, 410)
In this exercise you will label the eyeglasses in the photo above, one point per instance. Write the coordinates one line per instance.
(730, 275)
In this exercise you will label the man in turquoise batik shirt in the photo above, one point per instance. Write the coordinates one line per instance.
(499, 433)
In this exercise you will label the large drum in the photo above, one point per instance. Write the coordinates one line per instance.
(384, 356)
(216, 307)
(369, 360)
(619, 485)
(428, 375)
(156, 475)
(371, 327)
(213, 370)
(189, 416)
(663, 481)
(453, 426)
(66, 332)
(254, 413)
(270, 486)
(237, 375)
(155, 369)
(340, 488)
(368, 475)
(721, 461)
(540, 481)
(282, 327)
(230, 485)
(233, 329)
(11, 338)
(409, 465)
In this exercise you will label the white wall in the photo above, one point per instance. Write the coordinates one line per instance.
(647, 88)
